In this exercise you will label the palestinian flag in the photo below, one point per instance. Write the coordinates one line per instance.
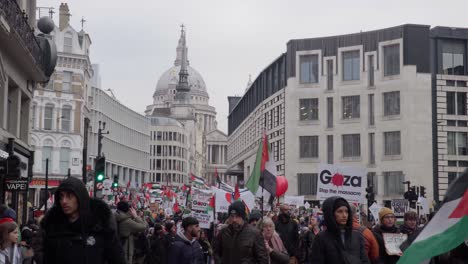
(264, 172)
(197, 180)
(211, 205)
(446, 230)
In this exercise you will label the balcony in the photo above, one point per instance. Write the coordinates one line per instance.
(18, 39)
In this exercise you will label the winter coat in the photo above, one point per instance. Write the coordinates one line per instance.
(288, 230)
(158, 252)
(183, 251)
(370, 242)
(129, 227)
(305, 245)
(379, 230)
(329, 246)
(20, 254)
(244, 246)
(90, 239)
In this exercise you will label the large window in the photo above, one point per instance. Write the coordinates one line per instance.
(308, 109)
(307, 183)
(391, 103)
(308, 68)
(46, 154)
(66, 81)
(351, 145)
(392, 143)
(48, 114)
(68, 42)
(64, 160)
(453, 53)
(329, 112)
(351, 106)
(456, 103)
(351, 65)
(308, 147)
(391, 60)
(457, 143)
(393, 182)
(66, 118)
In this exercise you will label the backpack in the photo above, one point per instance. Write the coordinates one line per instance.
(141, 245)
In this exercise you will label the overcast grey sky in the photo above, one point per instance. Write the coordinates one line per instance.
(135, 41)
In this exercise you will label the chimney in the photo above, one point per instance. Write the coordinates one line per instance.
(64, 16)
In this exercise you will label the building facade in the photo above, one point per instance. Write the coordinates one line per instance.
(449, 106)
(358, 100)
(59, 108)
(181, 98)
(24, 64)
(126, 145)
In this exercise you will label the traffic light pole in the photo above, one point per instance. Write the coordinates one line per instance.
(99, 154)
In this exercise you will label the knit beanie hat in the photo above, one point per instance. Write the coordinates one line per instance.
(8, 223)
(339, 203)
(238, 208)
(383, 212)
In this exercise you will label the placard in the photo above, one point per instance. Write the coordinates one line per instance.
(347, 182)
(204, 218)
(224, 199)
(399, 206)
(200, 199)
(392, 243)
(297, 201)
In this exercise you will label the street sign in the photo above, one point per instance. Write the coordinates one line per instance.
(16, 185)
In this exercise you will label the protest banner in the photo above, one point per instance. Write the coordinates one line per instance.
(374, 209)
(204, 218)
(297, 201)
(399, 206)
(392, 243)
(225, 198)
(337, 180)
(200, 199)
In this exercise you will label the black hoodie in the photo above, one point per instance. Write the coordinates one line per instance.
(90, 239)
(328, 246)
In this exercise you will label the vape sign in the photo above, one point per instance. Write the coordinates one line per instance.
(347, 182)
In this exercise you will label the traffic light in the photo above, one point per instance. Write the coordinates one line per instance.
(370, 196)
(115, 184)
(13, 168)
(422, 191)
(100, 169)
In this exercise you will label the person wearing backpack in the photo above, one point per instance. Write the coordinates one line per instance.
(129, 225)
(370, 242)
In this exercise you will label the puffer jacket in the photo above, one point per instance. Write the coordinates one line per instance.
(128, 228)
(245, 246)
(183, 251)
(329, 248)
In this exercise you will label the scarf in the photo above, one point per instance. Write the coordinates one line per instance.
(277, 245)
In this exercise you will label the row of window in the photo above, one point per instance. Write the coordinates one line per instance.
(64, 159)
(165, 178)
(351, 66)
(168, 136)
(307, 183)
(168, 151)
(351, 146)
(48, 117)
(66, 82)
(167, 164)
(351, 107)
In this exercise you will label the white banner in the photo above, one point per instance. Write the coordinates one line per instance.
(224, 199)
(297, 201)
(204, 218)
(347, 182)
(200, 199)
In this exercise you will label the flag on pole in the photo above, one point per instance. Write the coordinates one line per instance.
(264, 172)
(236, 193)
(446, 230)
(197, 180)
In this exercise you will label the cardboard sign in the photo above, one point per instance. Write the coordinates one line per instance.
(297, 201)
(392, 243)
(347, 182)
(200, 199)
(374, 209)
(204, 218)
(400, 206)
(224, 199)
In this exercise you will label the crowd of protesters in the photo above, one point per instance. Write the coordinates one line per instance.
(80, 229)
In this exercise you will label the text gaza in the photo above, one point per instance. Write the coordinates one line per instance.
(339, 179)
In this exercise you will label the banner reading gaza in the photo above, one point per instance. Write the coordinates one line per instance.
(347, 182)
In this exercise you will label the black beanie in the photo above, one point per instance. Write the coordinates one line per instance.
(238, 208)
(339, 203)
(123, 206)
(188, 221)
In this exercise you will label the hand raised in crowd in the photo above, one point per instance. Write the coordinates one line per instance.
(133, 212)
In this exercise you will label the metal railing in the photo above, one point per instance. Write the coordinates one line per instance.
(18, 22)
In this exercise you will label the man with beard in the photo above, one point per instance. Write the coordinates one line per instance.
(186, 248)
(288, 230)
(239, 242)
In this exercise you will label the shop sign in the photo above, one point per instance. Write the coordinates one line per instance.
(16, 185)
